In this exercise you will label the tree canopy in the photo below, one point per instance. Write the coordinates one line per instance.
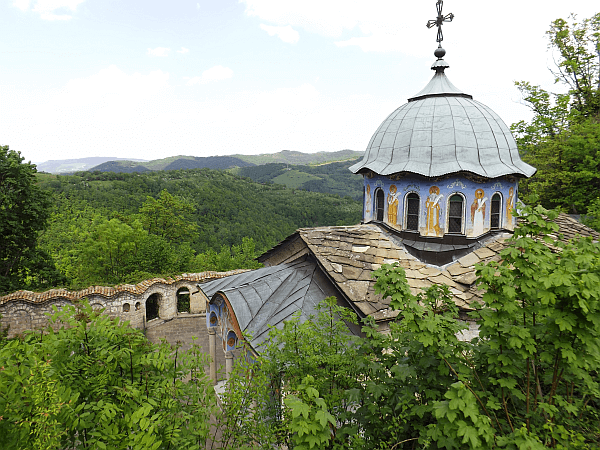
(562, 140)
(24, 212)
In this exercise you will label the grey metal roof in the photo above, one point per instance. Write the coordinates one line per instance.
(440, 131)
(270, 295)
(438, 86)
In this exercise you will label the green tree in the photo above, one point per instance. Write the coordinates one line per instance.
(24, 211)
(229, 258)
(563, 137)
(168, 217)
(116, 252)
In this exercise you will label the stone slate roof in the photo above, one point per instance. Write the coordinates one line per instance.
(267, 297)
(109, 292)
(350, 254)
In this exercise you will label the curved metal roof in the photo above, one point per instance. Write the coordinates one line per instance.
(441, 131)
(267, 297)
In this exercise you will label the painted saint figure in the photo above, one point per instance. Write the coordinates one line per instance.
(432, 204)
(509, 207)
(368, 203)
(392, 200)
(478, 212)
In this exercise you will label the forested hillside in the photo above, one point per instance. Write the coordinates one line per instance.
(116, 227)
(331, 178)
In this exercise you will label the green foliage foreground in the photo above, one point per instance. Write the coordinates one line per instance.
(529, 381)
(96, 383)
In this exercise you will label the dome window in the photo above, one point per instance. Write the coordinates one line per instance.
(379, 205)
(412, 211)
(455, 214)
(495, 213)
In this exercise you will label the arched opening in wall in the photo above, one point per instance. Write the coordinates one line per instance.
(231, 341)
(126, 307)
(21, 321)
(152, 306)
(183, 300)
(379, 204)
(412, 211)
(455, 214)
(495, 213)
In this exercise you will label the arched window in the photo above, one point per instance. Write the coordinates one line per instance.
(413, 203)
(152, 307)
(455, 214)
(183, 300)
(495, 213)
(379, 205)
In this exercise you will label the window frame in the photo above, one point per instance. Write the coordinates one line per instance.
(375, 201)
(406, 199)
(499, 194)
(462, 216)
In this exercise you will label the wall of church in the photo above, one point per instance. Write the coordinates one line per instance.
(440, 211)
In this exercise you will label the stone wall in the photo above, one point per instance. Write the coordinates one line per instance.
(25, 310)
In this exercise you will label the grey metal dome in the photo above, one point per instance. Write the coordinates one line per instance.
(441, 131)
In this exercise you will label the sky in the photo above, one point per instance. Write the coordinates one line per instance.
(147, 79)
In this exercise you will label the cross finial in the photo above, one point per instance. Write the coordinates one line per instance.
(439, 21)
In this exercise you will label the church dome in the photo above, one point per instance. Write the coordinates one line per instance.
(441, 131)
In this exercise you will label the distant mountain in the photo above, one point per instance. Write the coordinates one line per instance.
(120, 166)
(211, 162)
(173, 163)
(74, 165)
(293, 157)
(107, 164)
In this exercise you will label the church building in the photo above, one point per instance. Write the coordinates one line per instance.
(441, 180)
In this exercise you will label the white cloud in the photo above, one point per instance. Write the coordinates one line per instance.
(385, 25)
(216, 73)
(159, 51)
(23, 5)
(380, 25)
(49, 9)
(112, 87)
(286, 33)
(183, 50)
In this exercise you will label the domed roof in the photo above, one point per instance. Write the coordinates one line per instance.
(441, 131)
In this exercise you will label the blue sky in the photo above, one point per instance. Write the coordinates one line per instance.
(150, 79)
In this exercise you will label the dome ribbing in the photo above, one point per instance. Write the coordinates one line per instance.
(441, 131)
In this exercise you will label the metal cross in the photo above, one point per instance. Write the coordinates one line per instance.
(440, 20)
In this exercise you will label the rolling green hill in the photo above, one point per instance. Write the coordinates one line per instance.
(331, 178)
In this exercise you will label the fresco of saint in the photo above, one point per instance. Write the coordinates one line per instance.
(478, 212)
(392, 200)
(432, 204)
(368, 203)
(510, 204)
